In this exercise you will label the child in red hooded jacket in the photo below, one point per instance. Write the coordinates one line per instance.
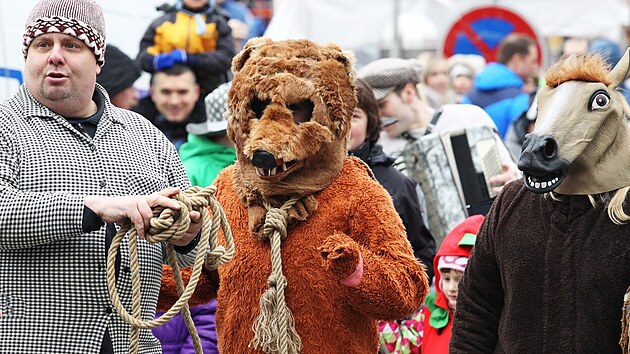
(450, 262)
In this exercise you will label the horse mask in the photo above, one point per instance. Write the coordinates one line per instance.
(581, 141)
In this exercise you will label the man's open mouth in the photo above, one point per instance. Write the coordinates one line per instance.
(56, 75)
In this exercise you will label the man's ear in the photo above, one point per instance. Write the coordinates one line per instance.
(408, 92)
(515, 61)
(197, 91)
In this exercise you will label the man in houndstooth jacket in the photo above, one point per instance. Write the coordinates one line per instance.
(71, 166)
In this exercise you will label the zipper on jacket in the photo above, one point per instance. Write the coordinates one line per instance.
(194, 23)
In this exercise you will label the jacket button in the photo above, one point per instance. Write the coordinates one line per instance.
(102, 184)
(126, 269)
(93, 148)
(108, 310)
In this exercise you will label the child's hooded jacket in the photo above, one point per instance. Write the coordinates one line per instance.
(438, 319)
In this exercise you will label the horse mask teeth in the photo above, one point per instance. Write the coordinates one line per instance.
(541, 185)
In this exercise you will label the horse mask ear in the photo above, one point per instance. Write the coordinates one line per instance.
(620, 72)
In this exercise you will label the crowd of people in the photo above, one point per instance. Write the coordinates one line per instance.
(79, 101)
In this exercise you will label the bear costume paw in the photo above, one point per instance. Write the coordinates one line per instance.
(341, 255)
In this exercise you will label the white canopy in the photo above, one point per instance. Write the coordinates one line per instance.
(366, 26)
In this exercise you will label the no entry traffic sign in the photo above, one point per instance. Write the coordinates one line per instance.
(480, 30)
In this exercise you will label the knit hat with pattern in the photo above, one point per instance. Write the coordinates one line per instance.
(82, 19)
(453, 262)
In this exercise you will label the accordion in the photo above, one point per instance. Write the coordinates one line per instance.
(453, 170)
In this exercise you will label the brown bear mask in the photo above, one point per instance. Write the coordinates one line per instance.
(290, 107)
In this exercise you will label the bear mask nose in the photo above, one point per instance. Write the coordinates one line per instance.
(263, 159)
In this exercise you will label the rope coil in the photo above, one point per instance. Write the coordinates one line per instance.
(168, 225)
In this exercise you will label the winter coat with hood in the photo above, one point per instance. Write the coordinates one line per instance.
(203, 34)
(498, 90)
(438, 317)
(174, 335)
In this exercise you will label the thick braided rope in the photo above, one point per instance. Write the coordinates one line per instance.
(166, 225)
(274, 328)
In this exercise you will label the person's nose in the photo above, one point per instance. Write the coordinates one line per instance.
(56, 55)
(174, 100)
(450, 288)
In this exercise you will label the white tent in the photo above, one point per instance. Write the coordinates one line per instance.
(367, 26)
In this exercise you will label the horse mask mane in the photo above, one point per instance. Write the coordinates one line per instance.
(581, 142)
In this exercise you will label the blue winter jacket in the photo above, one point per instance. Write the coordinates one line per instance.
(498, 90)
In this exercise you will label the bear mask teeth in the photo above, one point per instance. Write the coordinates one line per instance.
(276, 172)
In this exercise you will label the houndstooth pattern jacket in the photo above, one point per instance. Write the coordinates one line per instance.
(53, 290)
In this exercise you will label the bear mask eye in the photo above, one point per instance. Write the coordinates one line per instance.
(258, 106)
(302, 111)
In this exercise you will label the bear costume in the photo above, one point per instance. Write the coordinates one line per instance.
(320, 251)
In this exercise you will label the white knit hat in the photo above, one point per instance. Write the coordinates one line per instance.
(82, 19)
(216, 106)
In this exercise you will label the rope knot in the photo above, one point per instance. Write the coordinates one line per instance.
(274, 328)
(197, 197)
(216, 257)
(167, 224)
(275, 220)
(277, 281)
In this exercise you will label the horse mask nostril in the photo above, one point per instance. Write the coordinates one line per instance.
(263, 159)
(549, 148)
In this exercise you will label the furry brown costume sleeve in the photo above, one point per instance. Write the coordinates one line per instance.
(205, 291)
(392, 284)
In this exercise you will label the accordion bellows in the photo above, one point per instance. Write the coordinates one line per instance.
(430, 161)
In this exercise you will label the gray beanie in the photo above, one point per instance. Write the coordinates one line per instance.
(82, 19)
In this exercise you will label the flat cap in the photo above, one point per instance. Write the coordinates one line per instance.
(385, 75)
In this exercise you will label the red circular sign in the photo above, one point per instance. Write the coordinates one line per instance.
(477, 29)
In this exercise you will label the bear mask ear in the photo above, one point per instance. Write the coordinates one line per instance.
(345, 57)
(239, 60)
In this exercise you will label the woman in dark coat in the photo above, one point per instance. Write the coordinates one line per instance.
(365, 130)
